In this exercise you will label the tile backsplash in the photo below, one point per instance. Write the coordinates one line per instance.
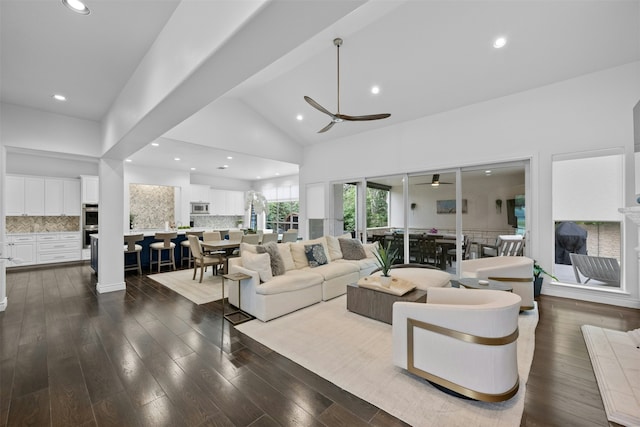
(215, 222)
(151, 205)
(42, 224)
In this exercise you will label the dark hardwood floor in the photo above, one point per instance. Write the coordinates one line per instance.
(147, 356)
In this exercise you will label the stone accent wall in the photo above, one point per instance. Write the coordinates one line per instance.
(603, 239)
(42, 224)
(215, 222)
(151, 205)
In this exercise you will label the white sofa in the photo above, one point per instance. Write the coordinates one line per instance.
(461, 339)
(301, 285)
(516, 271)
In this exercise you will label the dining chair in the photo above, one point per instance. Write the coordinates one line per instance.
(165, 244)
(223, 233)
(290, 236)
(185, 254)
(211, 236)
(269, 237)
(131, 247)
(252, 239)
(236, 235)
(202, 261)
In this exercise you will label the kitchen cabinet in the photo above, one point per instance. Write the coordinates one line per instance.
(25, 195)
(58, 247)
(62, 197)
(234, 203)
(200, 193)
(90, 189)
(22, 247)
(218, 202)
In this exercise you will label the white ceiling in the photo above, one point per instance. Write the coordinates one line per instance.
(427, 57)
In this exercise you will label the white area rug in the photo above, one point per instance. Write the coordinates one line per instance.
(180, 281)
(354, 353)
(616, 363)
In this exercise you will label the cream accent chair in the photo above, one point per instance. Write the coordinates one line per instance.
(516, 271)
(462, 339)
(185, 248)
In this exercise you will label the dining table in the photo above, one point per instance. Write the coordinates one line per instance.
(226, 246)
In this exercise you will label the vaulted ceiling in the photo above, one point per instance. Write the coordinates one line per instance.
(426, 57)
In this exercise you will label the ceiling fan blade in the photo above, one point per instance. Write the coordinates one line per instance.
(317, 106)
(327, 127)
(362, 118)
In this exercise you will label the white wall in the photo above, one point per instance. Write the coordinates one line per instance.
(42, 165)
(590, 112)
(38, 130)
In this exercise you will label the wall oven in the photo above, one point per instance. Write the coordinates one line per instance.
(89, 223)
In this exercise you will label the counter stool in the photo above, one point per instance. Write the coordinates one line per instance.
(131, 247)
(185, 246)
(165, 245)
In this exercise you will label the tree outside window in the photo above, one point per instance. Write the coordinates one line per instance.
(282, 216)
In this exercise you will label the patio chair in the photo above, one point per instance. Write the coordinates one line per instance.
(506, 245)
(606, 270)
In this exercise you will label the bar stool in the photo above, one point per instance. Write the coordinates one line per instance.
(131, 247)
(185, 245)
(165, 245)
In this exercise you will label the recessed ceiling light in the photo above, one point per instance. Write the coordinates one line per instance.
(487, 172)
(176, 158)
(258, 177)
(375, 90)
(128, 160)
(225, 166)
(299, 117)
(77, 6)
(155, 144)
(229, 158)
(500, 42)
(277, 173)
(59, 97)
(193, 169)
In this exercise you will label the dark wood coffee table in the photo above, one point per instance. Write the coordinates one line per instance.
(376, 304)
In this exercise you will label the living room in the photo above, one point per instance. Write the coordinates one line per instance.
(537, 103)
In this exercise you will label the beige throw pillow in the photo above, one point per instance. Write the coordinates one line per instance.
(260, 263)
(285, 253)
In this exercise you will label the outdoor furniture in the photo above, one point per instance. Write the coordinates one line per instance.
(463, 340)
(602, 269)
(506, 245)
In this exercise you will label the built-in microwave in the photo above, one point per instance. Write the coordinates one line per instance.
(199, 208)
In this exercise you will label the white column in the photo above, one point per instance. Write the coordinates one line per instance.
(111, 226)
(3, 271)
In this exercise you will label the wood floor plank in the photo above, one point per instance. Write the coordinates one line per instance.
(70, 401)
(31, 369)
(116, 411)
(30, 409)
(100, 376)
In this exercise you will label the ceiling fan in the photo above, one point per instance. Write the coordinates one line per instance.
(339, 117)
(435, 181)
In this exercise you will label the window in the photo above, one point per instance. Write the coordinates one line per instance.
(587, 192)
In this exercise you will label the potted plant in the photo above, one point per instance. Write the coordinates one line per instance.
(386, 257)
(538, 271)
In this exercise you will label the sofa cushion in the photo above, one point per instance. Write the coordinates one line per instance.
(315, 255)
(261, 263)
(299, 255)
(334, 246)
(246, 247)
(334, 269)
(290, 281)
(277, 263)
(285, 253)
(352, 249)
(363, 263)
(370, 248)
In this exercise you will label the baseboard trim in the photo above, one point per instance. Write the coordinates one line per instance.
(114, 287)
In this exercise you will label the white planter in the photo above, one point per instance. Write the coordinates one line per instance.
(385, 281)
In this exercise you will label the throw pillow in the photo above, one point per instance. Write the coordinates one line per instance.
(334, 246)
(259, 263)
(370, 248)
(246, 247)
(352, 249)
(285, 253)
(277, 263)
(315, 255)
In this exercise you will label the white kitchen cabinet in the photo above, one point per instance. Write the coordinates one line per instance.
(58, 247)
(218, 202)
(25, 195)
(90, 189)
(21, 247)
(234, 203)
(200, 193)
(15, 195)
(62, 197)
(71, 201)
